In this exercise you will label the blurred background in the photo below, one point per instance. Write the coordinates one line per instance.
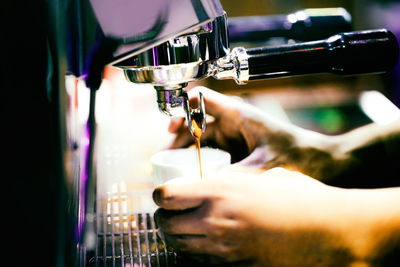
(325, 103)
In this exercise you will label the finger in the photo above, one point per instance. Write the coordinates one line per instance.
(194, 101)
(213, 108)
(179, 194)
(214, 251)
(183, 138)
(193, 244)
(175, 124)
(206, 260)
(186, 222)
(280, 172)
(215, 103)
(211, 137)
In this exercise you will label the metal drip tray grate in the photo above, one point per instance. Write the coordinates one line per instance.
(126, 238)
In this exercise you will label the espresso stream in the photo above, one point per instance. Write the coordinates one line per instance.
(197, 132)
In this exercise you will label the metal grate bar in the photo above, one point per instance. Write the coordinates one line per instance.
(146, 236)
(153, 226)
(138, 240)
(112, 216)
(121, 230)
(127, 238)
(97, 247)
(130, 237)
(104, 237)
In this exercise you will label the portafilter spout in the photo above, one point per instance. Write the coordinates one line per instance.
(174, 102)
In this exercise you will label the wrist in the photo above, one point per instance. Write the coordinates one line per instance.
(316, 154)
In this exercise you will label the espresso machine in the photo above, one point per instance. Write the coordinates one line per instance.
(167, 44)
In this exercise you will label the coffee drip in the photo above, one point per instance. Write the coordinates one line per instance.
(197, 121)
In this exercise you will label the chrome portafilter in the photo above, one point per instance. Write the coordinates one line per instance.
(171, 65)
(174, 102)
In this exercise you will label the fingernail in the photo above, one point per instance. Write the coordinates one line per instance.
(157, 196)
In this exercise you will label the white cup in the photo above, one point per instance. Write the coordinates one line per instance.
(173, 163)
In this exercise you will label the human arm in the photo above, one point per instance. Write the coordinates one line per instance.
(279, 218)
(373, 156)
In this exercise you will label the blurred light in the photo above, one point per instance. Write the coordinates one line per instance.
(331, 120)
(322, 12)
(301, 15)
(378, 108)
(292, 18)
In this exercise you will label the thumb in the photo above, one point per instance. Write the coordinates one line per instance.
(179, 194)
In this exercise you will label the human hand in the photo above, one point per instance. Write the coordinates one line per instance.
(228, 129)
(257, 139)
(275, 219)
